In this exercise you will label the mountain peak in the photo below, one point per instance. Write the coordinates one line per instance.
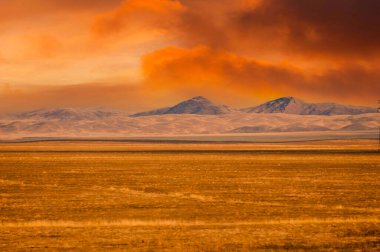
(288, 98)
(279, 105)
(199, 98)
(197, 105)
(293, 105)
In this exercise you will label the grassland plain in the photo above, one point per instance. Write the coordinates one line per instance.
(314, 196)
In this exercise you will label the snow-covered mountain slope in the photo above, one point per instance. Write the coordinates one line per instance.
(197, 105)
(292, 105)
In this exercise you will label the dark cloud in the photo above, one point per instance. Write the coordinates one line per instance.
(318, 28)
(338, 27)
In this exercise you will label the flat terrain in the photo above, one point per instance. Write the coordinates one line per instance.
(269, 137)
(310, 196)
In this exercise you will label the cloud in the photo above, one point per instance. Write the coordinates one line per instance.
(202, 65)
(235, 51)
(333, 28)
(42, 46)
(173, 73)
(314, 30)
(136, 14)
(202, 68)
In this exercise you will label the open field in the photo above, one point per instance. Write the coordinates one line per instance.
(307, 196)
(261, 137)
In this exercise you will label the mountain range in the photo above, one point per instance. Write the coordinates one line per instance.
(194, 116)
(287, 105)
(292, 105)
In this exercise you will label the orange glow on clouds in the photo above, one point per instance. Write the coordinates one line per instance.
(137, 14)
(248, 50)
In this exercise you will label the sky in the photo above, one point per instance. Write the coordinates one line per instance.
(143, 54)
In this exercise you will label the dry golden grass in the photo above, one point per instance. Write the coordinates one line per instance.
(317, 196)
(109, 146)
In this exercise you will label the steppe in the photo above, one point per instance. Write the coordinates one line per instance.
(117, 196)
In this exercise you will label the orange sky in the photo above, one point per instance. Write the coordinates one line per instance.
(136, 55)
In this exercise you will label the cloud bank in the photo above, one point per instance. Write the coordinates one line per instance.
(245, 51)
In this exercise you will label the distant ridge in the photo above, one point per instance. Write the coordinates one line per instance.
(197, 105)
(87, 122)
(292, 105)
(287, 105)
(69, 114)
(194, 116)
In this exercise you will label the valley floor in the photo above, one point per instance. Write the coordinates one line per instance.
(305, 196)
